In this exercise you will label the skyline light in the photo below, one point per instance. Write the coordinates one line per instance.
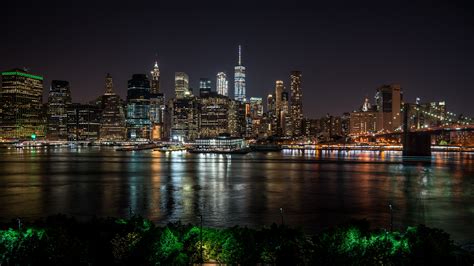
(342, 49)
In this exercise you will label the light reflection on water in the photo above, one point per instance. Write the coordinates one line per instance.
(316, 189)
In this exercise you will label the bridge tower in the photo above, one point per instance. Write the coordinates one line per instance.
(414, 143)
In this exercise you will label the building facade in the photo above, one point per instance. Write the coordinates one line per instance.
(112, 122)
(222, 84)
(296, 107)
(181, 85)
(184, 119)
(138, 108)
(388, 101)
(157, 106)
(21, 105)
(205, 87)
(239, 80)
(59, 99)
(83, 122)
(213, 115)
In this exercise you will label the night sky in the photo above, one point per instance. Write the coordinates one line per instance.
(344, 49)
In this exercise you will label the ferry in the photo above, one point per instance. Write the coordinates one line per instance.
(138, 147)
(223, 144)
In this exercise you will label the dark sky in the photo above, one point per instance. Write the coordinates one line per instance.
(344, 49)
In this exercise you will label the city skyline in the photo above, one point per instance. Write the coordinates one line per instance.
(335, 56)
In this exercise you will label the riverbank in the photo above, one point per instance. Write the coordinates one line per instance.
(61, 240)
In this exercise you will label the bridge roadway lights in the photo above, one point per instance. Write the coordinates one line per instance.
(416, 144)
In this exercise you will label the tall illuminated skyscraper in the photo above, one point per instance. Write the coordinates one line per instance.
(138, 107)
(389, 104)
(59, 99)
(157, 105)
(278, 91)
(21, 98)
(222, 84)
(181, 85)
(296, 103)
(204, 87)
(155, 79)
(112, 121)
(239, 79)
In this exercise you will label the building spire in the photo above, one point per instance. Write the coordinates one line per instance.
(240, 55)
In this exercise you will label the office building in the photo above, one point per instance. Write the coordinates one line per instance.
(181, 85)
(388, 101)
(112, 122)
(222, 84)
(138, 108)
(157, 106)
(59, 98)
(21, 102)
(204, 87)
(239, 80)
(83, 122)
(213, 113)
(184, 119)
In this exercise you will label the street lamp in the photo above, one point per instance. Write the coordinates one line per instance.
(391, 216)
(281, 214)
(200, 216)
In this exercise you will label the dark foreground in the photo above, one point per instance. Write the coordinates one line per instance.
(61, 240)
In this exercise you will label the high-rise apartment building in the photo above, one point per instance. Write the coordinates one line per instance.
(285, 115)
(21, 104)
(59, 99)
(239, 79)
(278, 91)
(296, 101)
(222, 84)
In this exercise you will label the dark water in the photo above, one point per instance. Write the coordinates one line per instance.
(315, 189)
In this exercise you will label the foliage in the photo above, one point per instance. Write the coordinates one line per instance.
(61, 240)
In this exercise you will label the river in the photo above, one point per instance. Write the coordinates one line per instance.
(312, 189)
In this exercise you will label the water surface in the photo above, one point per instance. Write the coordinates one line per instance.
(314, 189)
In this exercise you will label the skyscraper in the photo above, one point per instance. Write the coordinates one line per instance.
(388, 100)
(278, 91)
(239, 79)
(181, 85)
(296, 103)
(279, 88)
(222, 84)
(155, 79)
(21, 104)
(285, 116)
(256, 115)
(58, 100)
(157, 105)
(112, 122)
(204, 87)
(184, 119)
(83, 122)
(138, 107)
(213, 115)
